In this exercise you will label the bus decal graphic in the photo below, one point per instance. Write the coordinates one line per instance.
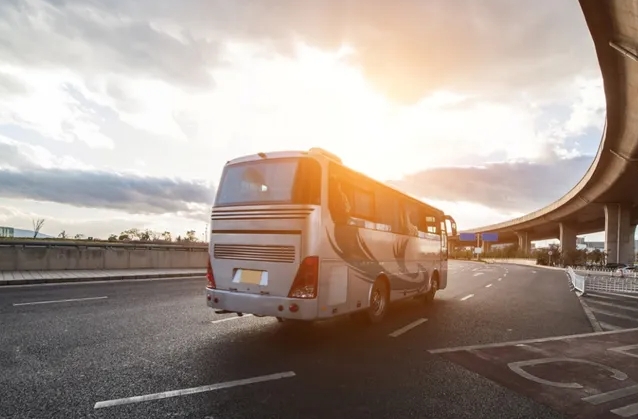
(400, 247)
(352, 249)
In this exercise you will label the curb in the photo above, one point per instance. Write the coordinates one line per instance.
(98, 278)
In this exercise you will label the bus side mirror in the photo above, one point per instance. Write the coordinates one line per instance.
(452, 225)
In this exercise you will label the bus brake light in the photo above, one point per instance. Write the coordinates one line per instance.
(210, 276)
(305, 283)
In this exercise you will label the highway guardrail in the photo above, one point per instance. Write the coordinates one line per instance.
(133, 244)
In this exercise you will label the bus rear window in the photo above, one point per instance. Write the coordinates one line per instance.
(271, 181)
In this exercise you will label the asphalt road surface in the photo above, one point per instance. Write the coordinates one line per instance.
(152, 349)
(613, 311)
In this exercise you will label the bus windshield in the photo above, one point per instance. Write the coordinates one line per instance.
(271, 181)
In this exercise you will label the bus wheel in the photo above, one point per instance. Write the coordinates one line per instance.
(434, 287)
(378, 301)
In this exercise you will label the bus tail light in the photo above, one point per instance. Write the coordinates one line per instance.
(210, 276)
(305, 283)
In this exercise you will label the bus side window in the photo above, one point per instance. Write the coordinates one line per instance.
(431, 224)
(340, 206)
(307, 188)
(339, 201)
(363, 204)
(388, 212)
(412, 219)
(443, 235)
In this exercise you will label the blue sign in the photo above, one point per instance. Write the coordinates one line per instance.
(467, 237)
(489, 237)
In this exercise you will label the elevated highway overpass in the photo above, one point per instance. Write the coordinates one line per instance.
(606, 198)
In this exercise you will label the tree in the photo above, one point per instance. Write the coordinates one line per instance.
(124, 237)
(190, 236)
(133, 233)
(37, 225)
(78, 236)
(63, 235)
(166, 236)
(145, 235)
(112, 238)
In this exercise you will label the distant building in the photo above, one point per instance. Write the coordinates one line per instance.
(20, 233)
(7, 232)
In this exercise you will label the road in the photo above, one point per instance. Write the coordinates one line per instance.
(91, 355)
(613, 311)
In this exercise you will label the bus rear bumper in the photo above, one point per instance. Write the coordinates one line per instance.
(262, 305)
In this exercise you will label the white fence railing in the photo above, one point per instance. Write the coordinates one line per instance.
(578, 281)
(606, 280)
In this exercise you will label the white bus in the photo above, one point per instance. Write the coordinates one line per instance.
(297, 235)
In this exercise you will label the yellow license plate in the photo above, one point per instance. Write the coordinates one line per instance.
(250, 277)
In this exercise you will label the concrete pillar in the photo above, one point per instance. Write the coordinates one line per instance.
(567, 238)
(524, 243)
(619, 234)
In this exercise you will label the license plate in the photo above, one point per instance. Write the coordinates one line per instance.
(247, 276)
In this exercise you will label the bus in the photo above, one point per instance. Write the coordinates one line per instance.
(297, 235)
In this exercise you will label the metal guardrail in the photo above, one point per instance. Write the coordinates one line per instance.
(604, 280)
(578, 281)
(133, 244)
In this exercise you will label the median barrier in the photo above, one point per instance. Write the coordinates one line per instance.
(43, 255)
(607, 280)
(517, 261)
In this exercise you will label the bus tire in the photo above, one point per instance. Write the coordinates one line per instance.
(434, 287)
(379, 299)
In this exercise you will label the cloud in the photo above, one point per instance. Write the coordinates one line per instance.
(78, 36)
(30, 172)
(405, 48)
(11, 85)
(506, 187)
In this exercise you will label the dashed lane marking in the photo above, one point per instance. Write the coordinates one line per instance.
(467, 297)
(60, 301)
(407, 328)
(227, 319)
(193, 390)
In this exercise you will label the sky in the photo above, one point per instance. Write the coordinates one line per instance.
(119, 114)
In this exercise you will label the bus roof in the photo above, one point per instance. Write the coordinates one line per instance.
(318, 152)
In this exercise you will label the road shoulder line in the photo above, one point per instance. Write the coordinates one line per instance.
(538, 340)
(595, 325)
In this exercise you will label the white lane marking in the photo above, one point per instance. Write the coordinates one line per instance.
(518, 342)
(408, 327)
(533, 272)
(108, 281)
(59, 301)
(590, 315)
(617, 295)
(230, 318)
(467, 297)
(193, 390)
(478, 273)
(500, 279)
(505, 274)
(488, 285)
(626, 411)
(607, 326)
(612, 314)
(620, 306)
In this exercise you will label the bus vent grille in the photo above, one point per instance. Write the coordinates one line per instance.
(261, 253)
